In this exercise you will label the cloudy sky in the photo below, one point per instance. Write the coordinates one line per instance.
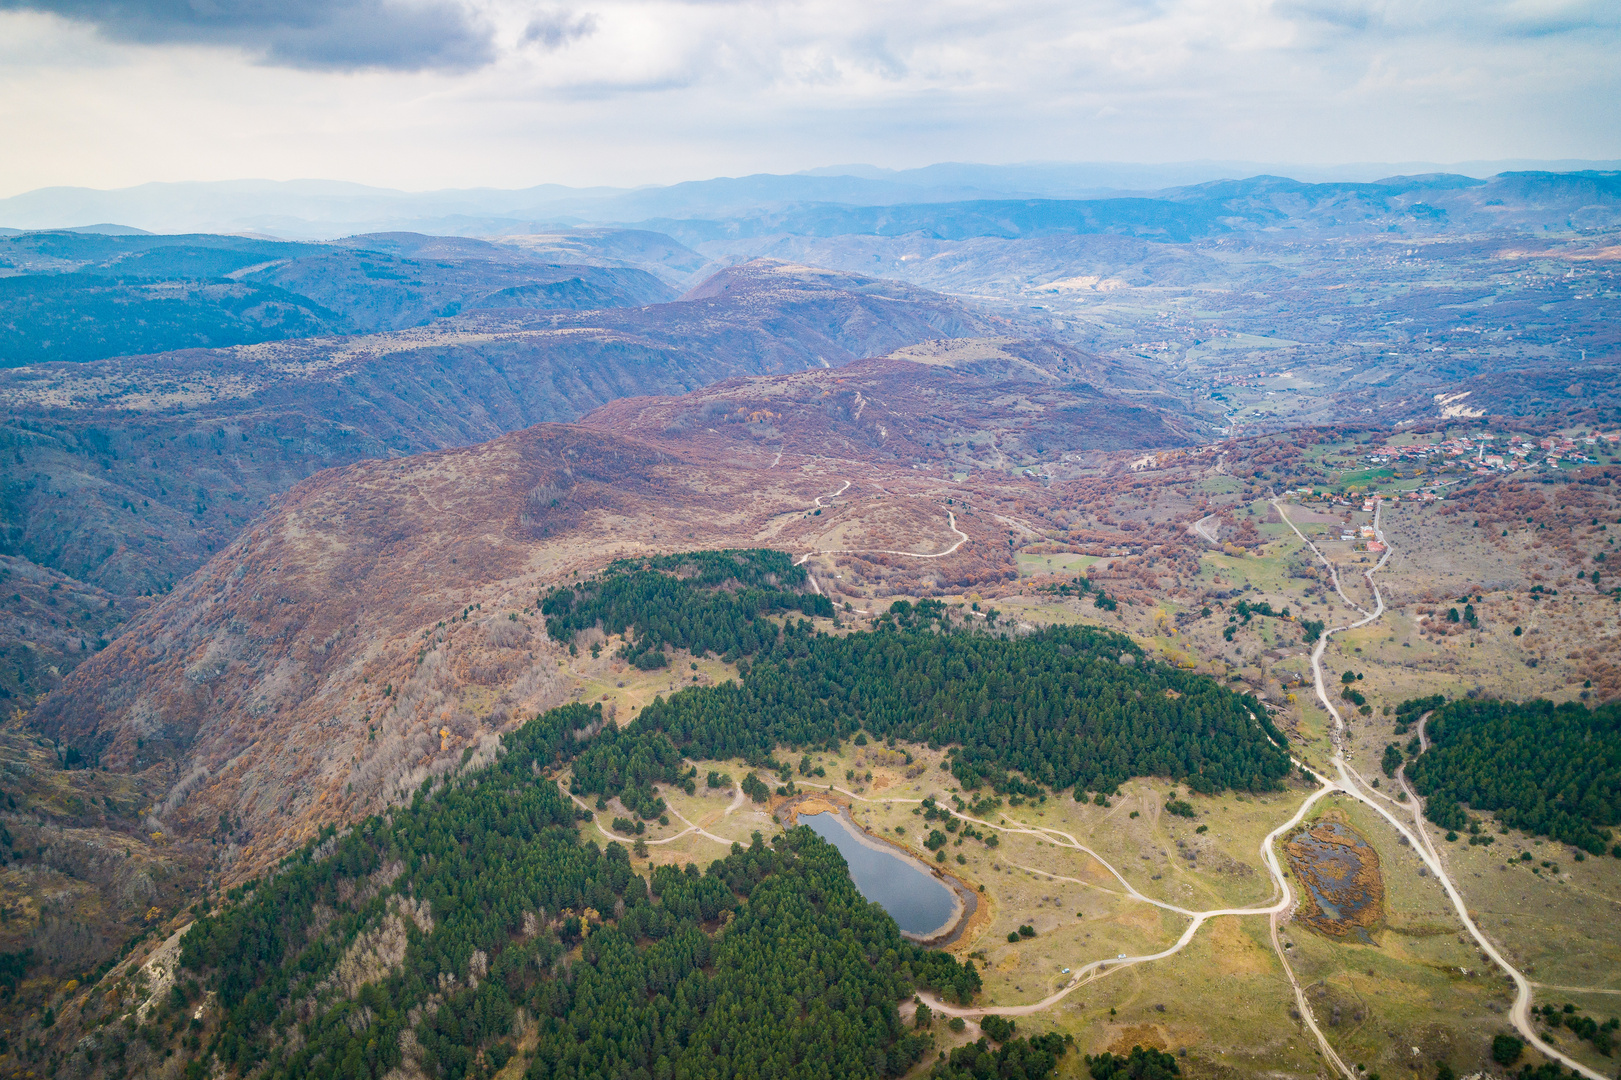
(423, 94)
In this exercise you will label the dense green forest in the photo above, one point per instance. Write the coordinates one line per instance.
(1552, 770)
(1067, 706)
(1016, 1059)
(423, 932)
(1140, 1064)
(703, 601)
(625, 763)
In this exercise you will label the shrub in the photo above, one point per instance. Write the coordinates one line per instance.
(999, 1028)
(1392, 759)
(1140, 1064)
(651, 660)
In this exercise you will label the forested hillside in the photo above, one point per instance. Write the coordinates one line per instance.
(1552, 770)
(416, 938)
(678, 600)
(420, 934)
(1066, 706)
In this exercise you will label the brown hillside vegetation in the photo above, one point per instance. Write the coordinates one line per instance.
(379, 621)
(309, 669)
(130, 473)
(54, 623)
(966, 403)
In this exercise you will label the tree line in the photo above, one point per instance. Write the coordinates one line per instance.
(1068, 707)
(702, 601)
(766, 964)
(1551, 770)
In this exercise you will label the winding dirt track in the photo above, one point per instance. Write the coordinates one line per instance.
(1351, 783)
(951, 523)
(737, 800)
(1347, 782)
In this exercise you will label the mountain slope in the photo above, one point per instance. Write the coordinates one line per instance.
(128, 473)
(967, 403)
(74, 297)
(387, 612)
(338, 621)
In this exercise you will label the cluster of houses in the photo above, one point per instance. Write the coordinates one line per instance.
(1363, 536)
(1492, 453)
(1369, 502)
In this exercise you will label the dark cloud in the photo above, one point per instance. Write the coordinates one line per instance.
(333, 35)
(554, 29)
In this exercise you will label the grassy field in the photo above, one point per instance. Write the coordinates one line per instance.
(1221, 485)
(1416, 992)
(1222, 1005)
(1556, 923)
(1033, 565)
(1077, 907)
(1414, 983)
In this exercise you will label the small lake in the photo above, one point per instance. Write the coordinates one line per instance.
(921, 904)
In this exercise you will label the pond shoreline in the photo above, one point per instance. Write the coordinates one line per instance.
(965, 898)
(1343, 886)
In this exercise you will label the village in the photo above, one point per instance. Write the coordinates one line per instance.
(1506, 453)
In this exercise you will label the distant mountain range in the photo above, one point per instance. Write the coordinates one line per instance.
(75, 296)
(324, 209)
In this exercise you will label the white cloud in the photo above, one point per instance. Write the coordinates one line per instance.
(628, 91)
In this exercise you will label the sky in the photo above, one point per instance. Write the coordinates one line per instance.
(428, 94)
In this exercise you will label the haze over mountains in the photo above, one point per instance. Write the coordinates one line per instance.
(321, 209)
(75, 297)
